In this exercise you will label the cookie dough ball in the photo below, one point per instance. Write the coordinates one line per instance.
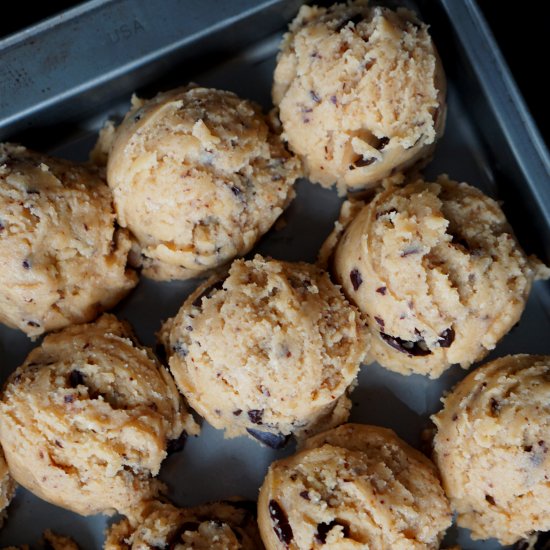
(198, 177)
(225, 525)
(353, 487)
(493, 448)
(272, 350)
(360, 91)
(50, 541)
(85, 421)
(62, 260)
(7, 488)
(437, 272)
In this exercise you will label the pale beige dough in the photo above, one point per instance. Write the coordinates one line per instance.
(360, 92)
(225, 525)
(62, 259)
(86, 420)
(197, 177)
(436, 270)
(493, 448)
(273, 352)
(356, 486)
(7, 488)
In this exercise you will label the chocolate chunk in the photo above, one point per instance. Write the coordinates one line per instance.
(2, 227)
(323, 529)
(178, 444)
(490, 500)
(410, 250)
(256, 415)
(314, 96)
(218, 285)
(275, 441)
(355, 278)
(417, 349)
(333, 100)
(355, 19)
(305, 495)
(528, 448)
(381, 290)
(76, 378)
(495, 407)
(359, 163)
(181, 349)
(237, 412)
(69, 398)
(236, 191)
(282, 528)
(26, 264)
(446, 338)
(382, 142)
(380, 321)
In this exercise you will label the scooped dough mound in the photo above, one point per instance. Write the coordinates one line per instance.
(493, 448)
(436, 270)
(356, 486)
(360, 92)
(62, 258)
(226, 525)
(270, 351)
(198, 176)
(86, 420)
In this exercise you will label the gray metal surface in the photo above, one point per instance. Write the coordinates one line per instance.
(73, 63)
(211, 467)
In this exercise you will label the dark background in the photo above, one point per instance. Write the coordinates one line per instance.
(521, 33)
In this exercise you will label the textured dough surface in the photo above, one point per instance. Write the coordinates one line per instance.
(273, 352)
(197, 177)
(360, 91)
(7, 488)
(356, 486)
(85, 421)
(492, 448)
(62, 260)
(226, 525)
(436, 270)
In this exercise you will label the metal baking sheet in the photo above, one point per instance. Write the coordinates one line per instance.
(490, 142)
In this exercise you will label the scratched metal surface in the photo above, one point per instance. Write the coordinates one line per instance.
(211, 467)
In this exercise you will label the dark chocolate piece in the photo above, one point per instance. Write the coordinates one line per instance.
(256, 415)
(323, 529)
(355, 278)
(446, 338)
(282, 528)
(404, 346)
